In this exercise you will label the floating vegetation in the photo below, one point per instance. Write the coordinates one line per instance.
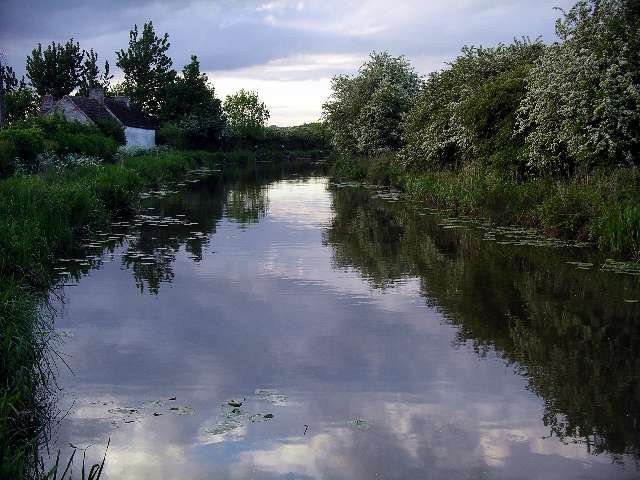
(234, 402)
(627, 268)
(582, 265)
(127, 415)
(347, 184)
(229, 420)
(386, 194)
(272, 396)
(360, 424)
(123, 411)
(181, 410)
(260, 417)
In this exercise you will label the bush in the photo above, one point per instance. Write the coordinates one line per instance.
(582, 108)
(112, 129)
(364, 111)
(7, 159)
(23, 143)
(467, 112)
(172, 135)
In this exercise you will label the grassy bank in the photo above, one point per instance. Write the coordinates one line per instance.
(41, 216)
(600, 207)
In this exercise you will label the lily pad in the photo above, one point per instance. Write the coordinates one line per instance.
(272, 396)
(360, 424)
(261, 417)
(180, 410)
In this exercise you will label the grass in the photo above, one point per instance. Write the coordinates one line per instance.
(40, 218)
(600, 207)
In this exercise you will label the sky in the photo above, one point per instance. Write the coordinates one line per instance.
(287, 50)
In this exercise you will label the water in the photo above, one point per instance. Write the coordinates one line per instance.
(384, 341)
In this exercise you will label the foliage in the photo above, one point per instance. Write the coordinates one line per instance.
(582, 107)
(190, 91)
(467, 112)
(57, 70)
(300, 137)
(148, 72)
(246, 114)
(19, 99)
(195, 115)
(26, 142)
(364, 112)
(91, 76)
(111, 128)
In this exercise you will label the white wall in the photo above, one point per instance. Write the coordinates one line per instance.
(139, 137)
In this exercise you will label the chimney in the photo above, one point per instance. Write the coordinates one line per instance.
(123, 99)
(97, 94)
(47, 104)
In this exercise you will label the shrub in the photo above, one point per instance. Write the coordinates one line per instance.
(23, 143)
(7, 158)
(172, 135)
(467, 112)
(112, 129)
(364, 111)
(582, 107)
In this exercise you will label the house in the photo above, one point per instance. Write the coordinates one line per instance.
(138, 129)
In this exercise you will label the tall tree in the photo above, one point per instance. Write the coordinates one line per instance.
(247, 116)
(148, 72)
(57, 70)
(91, 76)
(191, 92)
(19, 100)
(364, 111)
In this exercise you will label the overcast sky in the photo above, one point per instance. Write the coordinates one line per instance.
(286, 49)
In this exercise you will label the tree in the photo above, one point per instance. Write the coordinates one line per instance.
(467, 112)
(247, 116)
(192, 115)
(190, 92)
(364, 111)
(148, 72)
(19, 99)
(582, 107)
(91, 76)
(57, 70)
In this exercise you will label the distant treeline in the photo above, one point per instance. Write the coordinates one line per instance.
(182, 105)
(501, 117)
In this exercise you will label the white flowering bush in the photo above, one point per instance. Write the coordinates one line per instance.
(49, 160)
(364, 112)
(136, 151)
(467, 111)
(582, 107)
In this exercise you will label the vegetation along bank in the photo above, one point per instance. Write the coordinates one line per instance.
(526, 133)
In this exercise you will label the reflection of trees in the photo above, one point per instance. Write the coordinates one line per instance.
(239, 193)
(569, 332)
(247, 205)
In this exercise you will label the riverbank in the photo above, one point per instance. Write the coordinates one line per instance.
(602, 208)
(42, 217)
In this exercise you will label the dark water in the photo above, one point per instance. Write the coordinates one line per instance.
(386, 343)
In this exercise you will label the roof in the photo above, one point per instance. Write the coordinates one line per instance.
(129, 116)
(91, 107)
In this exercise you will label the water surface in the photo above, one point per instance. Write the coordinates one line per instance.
(384, 341)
